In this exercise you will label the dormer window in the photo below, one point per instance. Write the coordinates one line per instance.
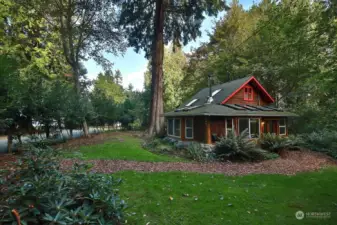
(248, 94)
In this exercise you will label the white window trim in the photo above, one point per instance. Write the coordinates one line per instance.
(249, 126)
(174, 126)
(283, 126)
(232, 126)
(189, 128)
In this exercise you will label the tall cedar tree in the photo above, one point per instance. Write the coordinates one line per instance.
(152, 23)
(87, 29)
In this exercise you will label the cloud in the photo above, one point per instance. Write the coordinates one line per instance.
(135, 78)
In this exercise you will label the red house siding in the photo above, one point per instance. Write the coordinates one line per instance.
(238, 98)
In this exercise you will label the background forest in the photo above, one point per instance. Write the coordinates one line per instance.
(290, 46)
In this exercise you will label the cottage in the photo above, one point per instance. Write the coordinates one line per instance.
(233, 106)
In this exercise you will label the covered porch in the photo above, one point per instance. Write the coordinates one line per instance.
(207, 129)
(207, 122)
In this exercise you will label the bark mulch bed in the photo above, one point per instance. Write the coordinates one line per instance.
(7, 160)
(290, 163)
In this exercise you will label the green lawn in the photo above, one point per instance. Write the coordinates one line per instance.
(218, 199)
(124, 148)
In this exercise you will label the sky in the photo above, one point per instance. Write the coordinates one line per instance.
(133, 65)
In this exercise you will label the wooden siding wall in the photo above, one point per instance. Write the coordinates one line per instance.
(238, 98)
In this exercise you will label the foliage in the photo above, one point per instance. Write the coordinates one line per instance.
(41, 193)
(273, 142)
(283, 41)
(173, 67)
(239, 147)
(152, 24)
(197, 153)
(322, 141)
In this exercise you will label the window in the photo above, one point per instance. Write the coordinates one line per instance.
(229, 126)
(243, 125)
(170, 126)
(254, 128)
(252, 125)
(215, 92)
(248, 94)
(177, 127)
(191, 102)
(173, 127)
(189, 128)
(282, 127)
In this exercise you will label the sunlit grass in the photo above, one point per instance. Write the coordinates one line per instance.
(218, 199)
(121, 148)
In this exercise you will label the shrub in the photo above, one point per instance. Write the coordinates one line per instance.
(323, 141)
(40, 193)
(197, 153)
(275, 143)
(239, 148)
(272, 142)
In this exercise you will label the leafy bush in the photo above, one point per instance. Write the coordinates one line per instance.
(197, 153)
(323, 141)
(158, 145)
(40, 193)
(239, 148)
(275, 143)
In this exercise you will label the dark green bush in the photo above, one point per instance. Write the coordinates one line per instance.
(239, 148)
(275, 143)
(158, 145)
(197, 153)
(43, 194)
(322, 141)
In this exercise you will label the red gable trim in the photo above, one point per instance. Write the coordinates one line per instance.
(244, 84)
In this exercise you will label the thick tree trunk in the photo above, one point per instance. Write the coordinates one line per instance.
(157, 107)
(71, 133)
(78, 91)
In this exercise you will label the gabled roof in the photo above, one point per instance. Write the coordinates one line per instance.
(225, 92)
(230, 110)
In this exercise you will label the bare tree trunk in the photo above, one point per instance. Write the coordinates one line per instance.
(85, 128)
(9, 142)
(78, 91)
(71, 133)
(19, 139)
(157, 107)
(47, 130)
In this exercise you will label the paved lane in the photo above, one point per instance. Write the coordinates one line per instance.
(76, 133)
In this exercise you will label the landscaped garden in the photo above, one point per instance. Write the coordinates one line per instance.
(137, 186)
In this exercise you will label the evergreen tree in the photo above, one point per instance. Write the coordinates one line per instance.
(152, 23)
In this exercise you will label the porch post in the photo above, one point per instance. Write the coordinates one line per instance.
(236, 126)
(208, 139)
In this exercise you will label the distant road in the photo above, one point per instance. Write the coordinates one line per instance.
(3, 139)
